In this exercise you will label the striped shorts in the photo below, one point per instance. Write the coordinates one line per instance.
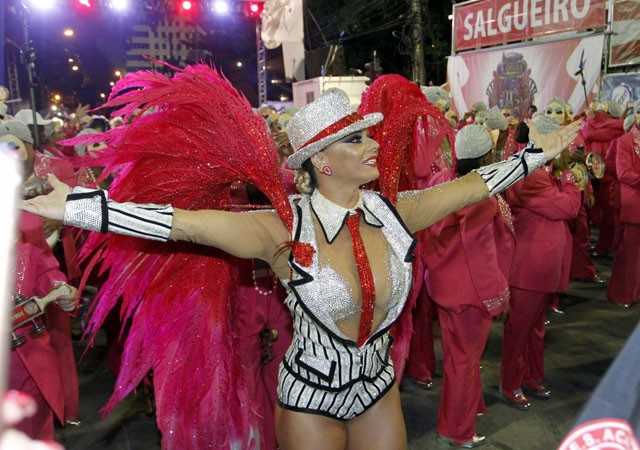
(340, 385)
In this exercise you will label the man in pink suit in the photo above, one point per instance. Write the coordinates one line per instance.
(599, 129)
(468, 258)
(610, 166)
(541, 205)
(624, 286)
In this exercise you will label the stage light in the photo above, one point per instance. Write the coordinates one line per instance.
(253, 9)
(185, 6)
(84, 5)
(119, 5)
(43, 5)
(220, 7)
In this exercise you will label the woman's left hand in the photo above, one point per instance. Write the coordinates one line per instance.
(553, 143)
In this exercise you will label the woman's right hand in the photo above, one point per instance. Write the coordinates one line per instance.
(51, 205)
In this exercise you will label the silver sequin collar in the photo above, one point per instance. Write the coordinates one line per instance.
(332, 217)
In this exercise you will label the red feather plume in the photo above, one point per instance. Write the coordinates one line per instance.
(189, 138)
(412, 128)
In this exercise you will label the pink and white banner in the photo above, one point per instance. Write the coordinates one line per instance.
(485, 23)
(625, 39)
(516, 77)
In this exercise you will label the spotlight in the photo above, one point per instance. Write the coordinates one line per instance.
(119, 5)
(220, 7)
(43, 5)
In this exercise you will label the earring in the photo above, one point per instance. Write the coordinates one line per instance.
(326, 170)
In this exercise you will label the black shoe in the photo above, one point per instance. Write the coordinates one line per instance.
(424, 383)
(73, 422)
(537, 389)
(476, 441)
(597, 280)
(516, 399)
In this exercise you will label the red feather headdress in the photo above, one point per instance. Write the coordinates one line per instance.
(412, 129)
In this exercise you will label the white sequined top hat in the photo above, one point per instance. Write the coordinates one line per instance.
(473, 141)
(322, 122)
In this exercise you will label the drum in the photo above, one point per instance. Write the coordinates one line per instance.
(595, 165)
(580, 173)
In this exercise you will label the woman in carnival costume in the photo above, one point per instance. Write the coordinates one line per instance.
(343, 253)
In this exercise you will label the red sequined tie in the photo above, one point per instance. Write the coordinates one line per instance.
(366, 278)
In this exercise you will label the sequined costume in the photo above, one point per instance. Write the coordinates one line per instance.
(324, 371)
(221, 141)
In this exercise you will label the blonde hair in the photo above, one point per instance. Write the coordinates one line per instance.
(303, 181)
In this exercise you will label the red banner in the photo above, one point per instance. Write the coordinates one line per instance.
(489, 22)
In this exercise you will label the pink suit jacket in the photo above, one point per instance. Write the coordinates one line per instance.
(36, 271)
(468, 256)
(628, 169)
(599, 131)
(541, 205)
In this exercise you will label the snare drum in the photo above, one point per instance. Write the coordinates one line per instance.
(595, 165)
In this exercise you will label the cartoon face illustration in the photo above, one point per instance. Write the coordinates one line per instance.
(511, 87)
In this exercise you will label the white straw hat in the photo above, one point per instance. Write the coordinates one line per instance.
(322, 122)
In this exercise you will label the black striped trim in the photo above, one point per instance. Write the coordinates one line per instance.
(136, 217)
(334, 416)
(347, 385)
(135, 232)
(323, 376)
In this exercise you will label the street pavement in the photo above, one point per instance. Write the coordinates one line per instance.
(580, 345)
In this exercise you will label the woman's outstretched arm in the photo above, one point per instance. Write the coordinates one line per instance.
(242, 234)
(420, 209)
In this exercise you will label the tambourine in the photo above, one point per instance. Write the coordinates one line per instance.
(580, 174)
(595, 165)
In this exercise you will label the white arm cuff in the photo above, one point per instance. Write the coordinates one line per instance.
(92, 210)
